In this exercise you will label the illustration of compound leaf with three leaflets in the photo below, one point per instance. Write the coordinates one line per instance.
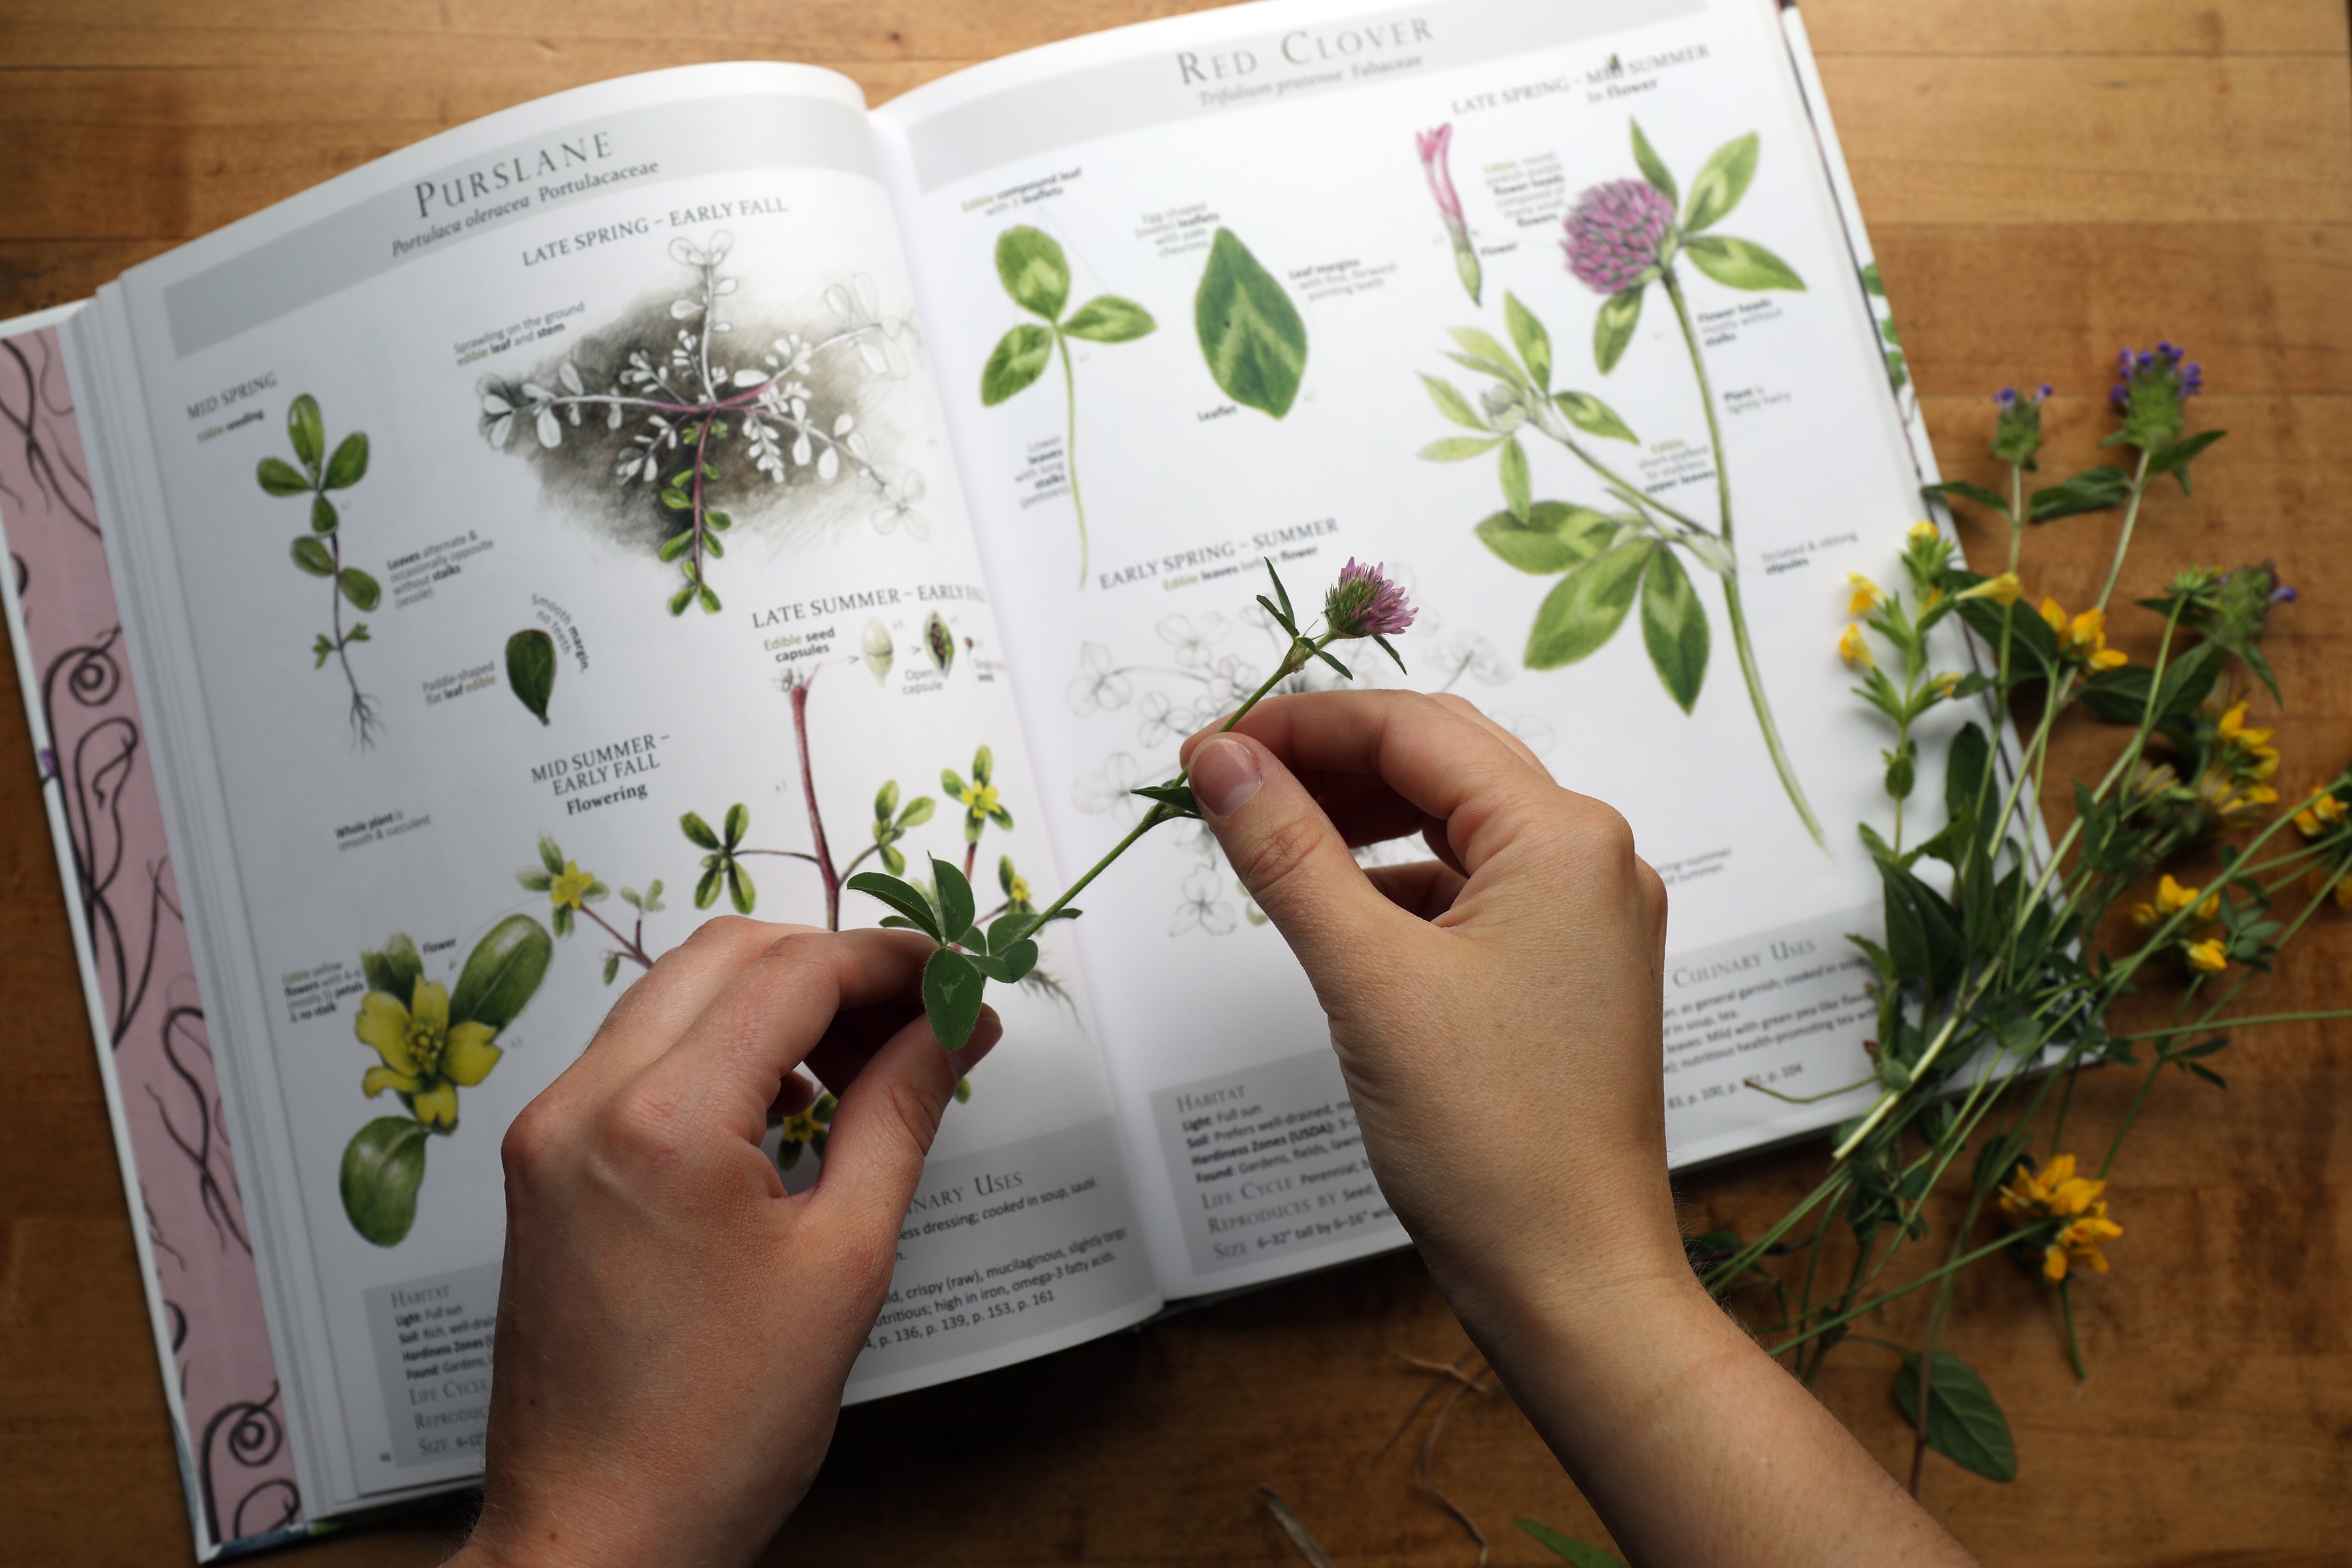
(317, 473)
(530, 669)
(1250, 332)
(1034, 271)
(430, 1042)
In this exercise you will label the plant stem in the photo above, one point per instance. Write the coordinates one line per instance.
(823, 856)
(1880, 1301)
(2131, 517)
(632, 951)
(1070, 447)
(2237, 1024)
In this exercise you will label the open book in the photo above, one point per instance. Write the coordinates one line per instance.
(680, 493)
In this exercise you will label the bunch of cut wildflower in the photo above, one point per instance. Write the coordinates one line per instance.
(1993, 991)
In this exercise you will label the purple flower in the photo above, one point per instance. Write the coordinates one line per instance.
(2283, 595)
(1433, 146)
(1616, 234)
(2005, 399)
(1365, 603)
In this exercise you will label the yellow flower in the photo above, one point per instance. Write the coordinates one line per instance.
(1016, 892)
(1854, 649)
(2004, 589)
(1866, 594)
(568, 887)
(2245, 749)
(2083, 638)
(2320, 816)
(799, 1127)
(425, 1057)
(2316, 880)
(2054, 1192)
(1947, 684)
(2079, 1243)
(980, 797)
(2208, 957)
(2171, 898)
(1925, 533)
(2230, 801)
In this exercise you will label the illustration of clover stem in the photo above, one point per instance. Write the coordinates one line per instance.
(1070, 447)
(1732, 606)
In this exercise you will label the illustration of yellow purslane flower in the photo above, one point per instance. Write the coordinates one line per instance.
(424, 1055)
(2054, 1192)
(1854, 648)
(569, 887)
(2083, 638)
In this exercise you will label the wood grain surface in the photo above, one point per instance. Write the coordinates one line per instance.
(2045, 180)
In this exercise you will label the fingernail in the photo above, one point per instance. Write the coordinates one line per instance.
(1224, 776)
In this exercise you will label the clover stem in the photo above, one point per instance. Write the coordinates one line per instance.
(1070, 446)
(823, 856)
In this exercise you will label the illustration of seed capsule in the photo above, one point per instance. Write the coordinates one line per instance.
(940, 641)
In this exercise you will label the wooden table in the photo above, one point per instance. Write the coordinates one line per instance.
(2044, 181)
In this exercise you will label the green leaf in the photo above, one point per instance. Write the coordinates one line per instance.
(1567, 1547)
(956, 903)
(1585, 611)
(1456, 449)
(1741, 264)
(1481, 352)
(383, 1165)
(706, 891)
(1517, 495)
(952, 782)
(983, 766)
(1006, 929)
(1555, 536)
(1967, 761)
(918, 811)
(1249, 334)
(612, 967)
(1612, 329)
(1870, 282)
(280, 478)
(1451, 404)
(1968, 491)
(348, 467)
(2093, 489)
(322, 515)
(676, 545)
(361, 589)
(696, 830)
(1674, 628)
(1653, 168)
(1534, 344)
(1108, 318)
(306, 430)
(312, 557)
(2177, 455)
(681, 599)
(903, 897)
(530, 668)
(1591, 415)
(951, 992)
(1019, 358)
(897, 863)
(1964, 1421)
(1720, 184)
(1034, 271)
(740, 890)
(396, 969)
(502, 973)
(1176, 798)
(738, 823)
(1010, 966)
(550, 854)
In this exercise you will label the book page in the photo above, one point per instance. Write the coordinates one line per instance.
(537, 544)
(1303, 282)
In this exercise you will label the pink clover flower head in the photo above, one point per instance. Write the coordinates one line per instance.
(1616, 234)
(1364, 603)
(1433, 146)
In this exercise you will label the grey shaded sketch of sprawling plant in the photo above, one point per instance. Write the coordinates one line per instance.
(1030, 264)
(693, 423)
(319, 551)
(1250, 332)
(1621, 237)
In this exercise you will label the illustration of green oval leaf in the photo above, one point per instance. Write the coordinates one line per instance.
(1249, 334)
(1019, 358)
(502, 973)
(1612, 329)
(1653, 168)
(697, 831)
(1592, 416)
(1455, 448)
(383, 1165)
(1534, 344)
(1451, 404)
(307, 431)
(1718, 186)
(1674, 626)
(361, 589)
(952, 992)
(1554, 537)
(322, 515)
(312, 557)
(1517, 495)
(742, 891)
(1964, 1421)
(1585, 611)
(1108, 318)
(280, 478)
(530, 668)
(349, 464)
(1741, 264)
(1036, 272)
(396, 969)
(1481, 352)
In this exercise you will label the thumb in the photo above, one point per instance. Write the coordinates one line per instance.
(1289, 855)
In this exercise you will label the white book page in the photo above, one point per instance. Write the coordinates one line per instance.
(566, 333)
(1292, 130)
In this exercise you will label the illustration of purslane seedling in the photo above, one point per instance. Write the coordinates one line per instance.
(1034, 271)
(319, 551)
(1250, 332)
(705, 421)
(431, 1042)
(1620, 237)
(530, 669)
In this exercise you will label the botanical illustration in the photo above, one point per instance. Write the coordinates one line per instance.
(530, 669)
(431, 1042)
(1621, 237)
(1034, 271)
(319, 551)
(694, 423)
(570, 890)
(1435, 147)
(1250, 332)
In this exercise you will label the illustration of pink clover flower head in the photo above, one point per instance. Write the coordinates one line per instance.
(1617, 234)
(1433, 147)
(1364, 603)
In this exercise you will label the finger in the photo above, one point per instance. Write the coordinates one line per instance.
(1654, 904)
(658, 1008)
(1289, 855)
(888, 1115)
(1486, 720)
(1422, 888)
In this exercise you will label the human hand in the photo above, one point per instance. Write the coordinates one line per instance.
(674, 1328)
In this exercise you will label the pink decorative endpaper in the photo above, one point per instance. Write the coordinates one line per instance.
(100, 787)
